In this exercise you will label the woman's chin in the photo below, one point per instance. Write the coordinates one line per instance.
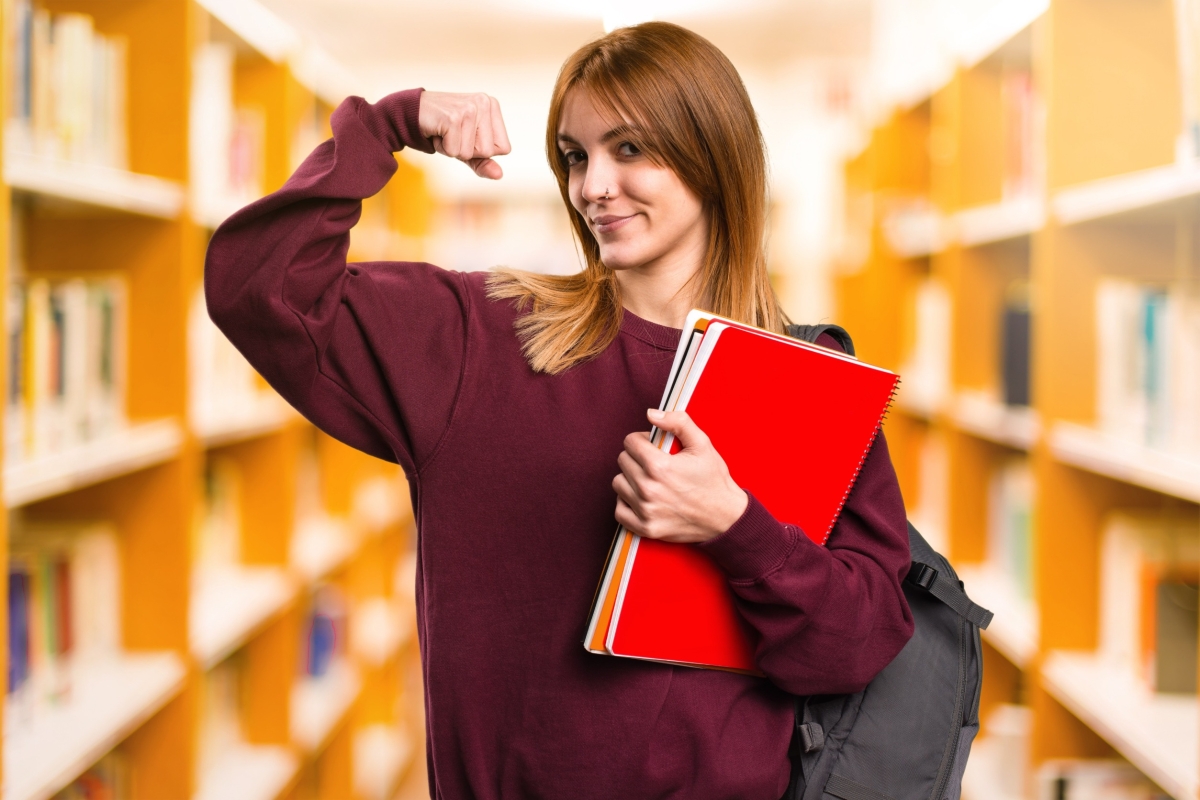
(618, 259)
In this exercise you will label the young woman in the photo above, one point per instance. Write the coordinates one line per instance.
(517, 405)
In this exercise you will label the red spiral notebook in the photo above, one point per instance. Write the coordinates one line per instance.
(794, 422)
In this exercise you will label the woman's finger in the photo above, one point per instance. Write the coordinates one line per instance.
(627, 494)
(484, 146)
(633, 472)
(499, 132)
(645, 453)
(486, 168)
(630, 520)
(467, 132)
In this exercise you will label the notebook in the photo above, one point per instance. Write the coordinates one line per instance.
(793, 421)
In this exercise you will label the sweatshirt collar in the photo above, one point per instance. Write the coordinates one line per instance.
(660, 336)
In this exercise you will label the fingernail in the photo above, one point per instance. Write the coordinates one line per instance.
(655, 415)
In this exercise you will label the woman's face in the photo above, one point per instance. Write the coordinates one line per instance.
(642, 214)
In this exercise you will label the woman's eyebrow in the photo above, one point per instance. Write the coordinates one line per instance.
(620, 130)
(564, 139)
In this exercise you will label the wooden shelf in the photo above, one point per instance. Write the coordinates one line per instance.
(90, 185)
(381, 754)
(320, 704)
(257, 25)
(1112, 457)
(229, 604)
(1018, 427)
(209, 213)
(1009, 219)
(127, 450)
(108, 701)
(261, 415)
(1159, 734)
(249, 772)
(320, 546)
(378, 630)
(1158, 193)
(916, 232)
(1014, 628)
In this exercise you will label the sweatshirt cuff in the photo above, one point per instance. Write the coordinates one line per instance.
(754, 545)
(394, 120)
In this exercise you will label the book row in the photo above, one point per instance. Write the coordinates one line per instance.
(68, 92)
(1148, 364)
(66, 346)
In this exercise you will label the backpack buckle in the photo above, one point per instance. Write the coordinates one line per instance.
(922, 575)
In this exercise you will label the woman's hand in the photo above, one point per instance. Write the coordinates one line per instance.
(686, 497)
(467, 127)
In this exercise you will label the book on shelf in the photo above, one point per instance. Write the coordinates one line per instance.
(1148, 364)
(925, 372)
(217, 528)
(66, 358)
(222, 384)
(63, 612)
(68, 88)
(1187, 28)
(1015, 345)
(324, 631)
(669, 602)
(219, 723)
(226, 143)
(1020, 131)
(1094, 779)
(1010, 523)
(1149, 591)
(107, 779)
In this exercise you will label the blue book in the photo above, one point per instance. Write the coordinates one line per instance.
(18, 628)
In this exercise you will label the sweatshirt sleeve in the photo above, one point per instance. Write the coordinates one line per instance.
(372, 353)
(826, 619)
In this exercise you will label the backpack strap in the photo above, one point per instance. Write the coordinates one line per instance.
(949, 592)
(810, 333)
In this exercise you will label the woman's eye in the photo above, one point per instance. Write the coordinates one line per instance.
(628, 149)
(573, 157)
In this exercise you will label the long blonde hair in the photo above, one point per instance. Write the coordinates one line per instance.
(691, 113)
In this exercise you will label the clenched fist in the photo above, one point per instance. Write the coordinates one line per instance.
(467, 127)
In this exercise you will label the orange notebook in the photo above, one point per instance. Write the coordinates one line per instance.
(793, 422)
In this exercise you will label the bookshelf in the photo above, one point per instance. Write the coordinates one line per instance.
(1016, 212)
(239, 536)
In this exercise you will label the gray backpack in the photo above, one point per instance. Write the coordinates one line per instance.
(908, 734)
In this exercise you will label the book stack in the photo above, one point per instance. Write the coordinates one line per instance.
(1149, 595)
(224, 390)
(926, 370)
(1148, 365)
(1094, 779)
(68, 88)
(226, 143)
(63, 613)
(217, 529)
(1015, 345)
(66, 365)
(324, 631)
(793, 422)
(1019, 109)
(219, 720)
(1010, 523)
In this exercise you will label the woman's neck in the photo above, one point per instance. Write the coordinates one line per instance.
(663, 294)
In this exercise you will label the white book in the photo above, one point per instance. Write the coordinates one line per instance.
(1121, 407)
(106, 357)
(71, 300)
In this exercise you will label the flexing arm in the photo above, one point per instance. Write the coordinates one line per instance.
(371, 353)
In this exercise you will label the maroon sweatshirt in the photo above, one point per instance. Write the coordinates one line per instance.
(510, 473)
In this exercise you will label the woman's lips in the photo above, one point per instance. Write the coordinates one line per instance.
(609, 223)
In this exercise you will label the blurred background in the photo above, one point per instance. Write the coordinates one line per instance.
(208, 598)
